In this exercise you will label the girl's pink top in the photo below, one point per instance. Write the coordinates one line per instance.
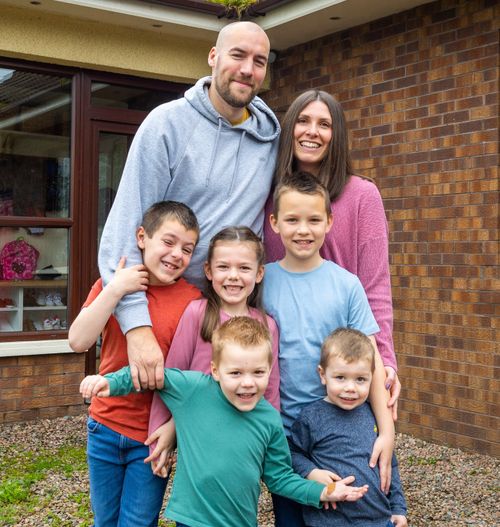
(359, 242)
(189, 351)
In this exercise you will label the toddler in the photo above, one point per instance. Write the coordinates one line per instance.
(338, 432)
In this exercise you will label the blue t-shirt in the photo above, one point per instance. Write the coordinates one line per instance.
(307, 308)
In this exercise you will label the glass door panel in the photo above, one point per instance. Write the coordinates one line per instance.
(113, 149)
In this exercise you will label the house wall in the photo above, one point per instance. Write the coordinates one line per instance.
(40, 386)
(420, 91)
(54, 39)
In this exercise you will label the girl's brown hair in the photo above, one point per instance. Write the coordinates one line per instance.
(336, 167)
(212, 312)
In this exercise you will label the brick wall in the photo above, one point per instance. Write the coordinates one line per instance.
(40, 386)
(420, 90)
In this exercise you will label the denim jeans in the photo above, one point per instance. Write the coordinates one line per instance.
(287, 513)
(124, 492)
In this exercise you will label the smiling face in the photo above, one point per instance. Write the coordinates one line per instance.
(167, 253)
(239, 62)
(243, 374)
(302, 223)
(312, 135)
(347, 384)
(234, 270)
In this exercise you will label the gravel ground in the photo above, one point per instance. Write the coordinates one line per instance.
(443, 486)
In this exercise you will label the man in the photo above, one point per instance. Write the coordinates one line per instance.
(214, 150)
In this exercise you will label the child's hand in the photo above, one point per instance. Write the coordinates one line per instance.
(94, 385)
(326, 477)
(162, 468)
(382, 454)
(399, 520)
(163, 455)
(323, 476)
(129, 279)
(342, 491)
(393, 384)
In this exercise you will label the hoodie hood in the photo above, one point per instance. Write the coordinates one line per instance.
(262, 123)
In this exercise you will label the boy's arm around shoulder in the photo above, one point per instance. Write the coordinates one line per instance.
(92, 319)
(384, 444)
(145, 180)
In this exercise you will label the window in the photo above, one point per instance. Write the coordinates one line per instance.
(35, 183)
(64, 138)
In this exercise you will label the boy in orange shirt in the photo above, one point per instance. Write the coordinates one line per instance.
(123, 489)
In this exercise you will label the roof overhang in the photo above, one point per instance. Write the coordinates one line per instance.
(287, 22)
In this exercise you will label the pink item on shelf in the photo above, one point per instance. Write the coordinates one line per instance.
(18, 260)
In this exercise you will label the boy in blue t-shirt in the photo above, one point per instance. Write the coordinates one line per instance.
(309, 297)
(338, 432)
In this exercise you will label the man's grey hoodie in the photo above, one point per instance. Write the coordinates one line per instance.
(185, 151)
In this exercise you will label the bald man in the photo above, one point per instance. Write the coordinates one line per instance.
(214, 150)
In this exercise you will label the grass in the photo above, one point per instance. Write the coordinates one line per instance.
(21, 470)
(23, 473)
(414, 460)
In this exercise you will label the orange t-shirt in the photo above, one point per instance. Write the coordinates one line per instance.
(129, 415)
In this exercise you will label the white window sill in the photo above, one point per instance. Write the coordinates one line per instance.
(34, 347)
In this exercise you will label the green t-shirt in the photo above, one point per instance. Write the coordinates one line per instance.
(223, 453)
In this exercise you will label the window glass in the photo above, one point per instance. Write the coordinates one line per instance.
(33, 279)
(35, 126)
(129, 97)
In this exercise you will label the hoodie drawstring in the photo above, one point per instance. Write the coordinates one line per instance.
(214, 151)
(236, 163)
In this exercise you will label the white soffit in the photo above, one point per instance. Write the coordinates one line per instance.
(293, 23)
(307, 20)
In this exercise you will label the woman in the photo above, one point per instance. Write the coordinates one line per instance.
(314, 139)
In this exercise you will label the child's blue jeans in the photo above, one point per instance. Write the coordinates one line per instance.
(124, 492)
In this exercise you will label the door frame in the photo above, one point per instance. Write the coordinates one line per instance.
(88, 122)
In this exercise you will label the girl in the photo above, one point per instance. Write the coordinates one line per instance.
(234, 271)
(314, 139)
